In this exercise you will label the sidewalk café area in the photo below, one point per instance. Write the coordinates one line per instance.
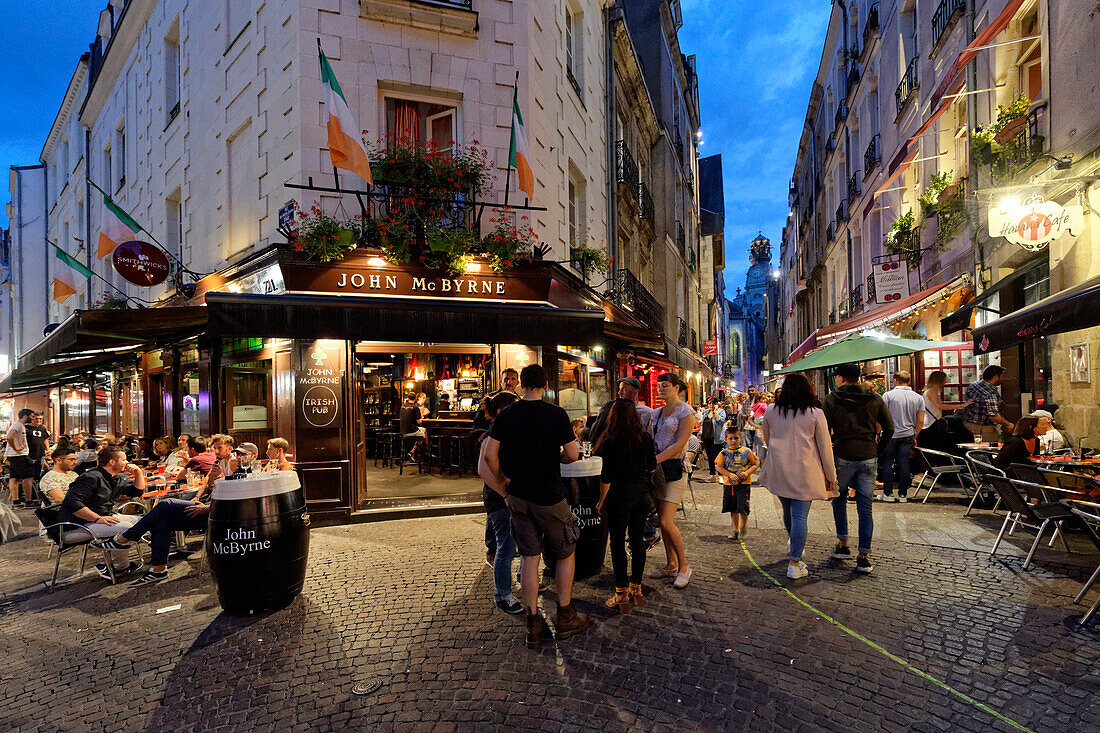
(326, 354)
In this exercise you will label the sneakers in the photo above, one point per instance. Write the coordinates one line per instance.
(509, 604)
(902, 500)
(682, 579)
(841, 552)
(863, 565)
(884, 497)
(109, 544)
(794, 572)
(744, 533)
(537, 630)
(734, 535)
(150, 577)
(101, 568)
(652, 540)
(570, 623)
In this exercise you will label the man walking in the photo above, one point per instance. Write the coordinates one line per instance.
(523, 457)
(38, 444)
(509, 380)
(907, 411)
(983, 414)
(20, 467)
(713, 433)
(855, 415)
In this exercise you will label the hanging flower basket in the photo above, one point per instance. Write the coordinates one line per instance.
(948, 194)
(1011, 130)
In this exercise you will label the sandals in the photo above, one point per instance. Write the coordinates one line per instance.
(635, 594)
(665, 572)
(620, 600)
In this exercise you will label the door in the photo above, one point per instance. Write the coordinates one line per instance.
(249, 406)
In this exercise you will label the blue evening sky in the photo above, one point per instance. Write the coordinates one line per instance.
(756, 62)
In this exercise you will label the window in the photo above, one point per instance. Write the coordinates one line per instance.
(574, 51)
(107, 179)
(576, 209)
(237, 15)
(243, 191)
(422, 122)
(173, 220)
(120, 151)
(172, 72)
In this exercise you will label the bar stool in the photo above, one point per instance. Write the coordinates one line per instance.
(459, 454)
(437, 443)
(384, 443)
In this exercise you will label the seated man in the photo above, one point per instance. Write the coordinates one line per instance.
(245, 453)
(162, 521)
(56, 481)
(199, 462)
(276, 452)
(91, 498)
(225, 463)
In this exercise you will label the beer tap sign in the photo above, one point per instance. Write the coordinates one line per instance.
(1036, 223)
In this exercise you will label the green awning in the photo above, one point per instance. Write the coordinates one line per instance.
(861, 347)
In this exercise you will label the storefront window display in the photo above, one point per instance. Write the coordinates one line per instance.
(189, 414)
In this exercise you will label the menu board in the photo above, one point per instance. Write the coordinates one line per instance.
(959, 366)
(319, 384)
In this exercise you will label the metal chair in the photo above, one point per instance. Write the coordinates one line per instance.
(1089, 514)
(1080, 483)
(1033, 516)
(981, 466)
(941, 464)
(68, 536)
(1026, 472)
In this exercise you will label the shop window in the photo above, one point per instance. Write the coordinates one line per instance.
(573, 388)
(189, 420)
(248, 401)
(421, 123)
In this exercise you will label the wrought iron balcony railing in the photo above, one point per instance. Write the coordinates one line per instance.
(907, 86)
(632, 296)
(870, 28)
(626, 170)
(645, 202)
(830, 232)
(872, 156)
(943, 18)
(842, 212)
(681, 332)
(680, 238)
(1019, 153)
(694, 341)
(855, 299)
(855, 186)
(871, 288)
(467, 4)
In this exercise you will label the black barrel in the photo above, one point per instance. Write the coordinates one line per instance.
(257, 541)
(583, 493)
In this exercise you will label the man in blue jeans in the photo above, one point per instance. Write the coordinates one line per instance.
(856, 416)
(907, 411)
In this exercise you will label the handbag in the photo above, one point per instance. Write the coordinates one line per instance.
(672, 469)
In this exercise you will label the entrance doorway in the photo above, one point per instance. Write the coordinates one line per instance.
(249, 415)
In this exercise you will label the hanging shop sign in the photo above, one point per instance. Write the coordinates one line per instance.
(319, 384)
(891, 281)
(710, 347)
(1035, 223)
(141, 263)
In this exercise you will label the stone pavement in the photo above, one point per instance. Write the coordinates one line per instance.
(410, 602)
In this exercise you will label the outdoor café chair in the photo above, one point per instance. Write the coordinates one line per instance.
(981, 466)
(68, 536)
(941, 464)
(1033, 516)
(1089, 513)
(1077, 482)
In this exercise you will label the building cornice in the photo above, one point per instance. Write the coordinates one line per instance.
(123, 39)
(64, 113)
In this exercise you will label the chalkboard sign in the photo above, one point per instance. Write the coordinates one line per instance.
(319, 384)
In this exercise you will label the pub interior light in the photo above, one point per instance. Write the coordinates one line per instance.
(376, 262)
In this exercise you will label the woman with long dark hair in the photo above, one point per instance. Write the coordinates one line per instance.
(1020, 446)
(629, 460)
(802, 468)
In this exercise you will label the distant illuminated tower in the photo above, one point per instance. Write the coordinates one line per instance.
(747, 317)
(760, 250)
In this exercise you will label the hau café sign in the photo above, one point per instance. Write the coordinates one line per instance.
(1036, 223)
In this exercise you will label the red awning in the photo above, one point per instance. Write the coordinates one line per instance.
(877, 316)
(803, 348)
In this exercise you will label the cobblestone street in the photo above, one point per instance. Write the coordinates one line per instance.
(410, 602)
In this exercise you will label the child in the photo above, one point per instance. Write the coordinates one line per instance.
(736, 465)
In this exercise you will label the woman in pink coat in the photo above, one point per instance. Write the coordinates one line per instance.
(800, 465)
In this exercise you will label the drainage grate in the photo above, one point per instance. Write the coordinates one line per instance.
(367, 686)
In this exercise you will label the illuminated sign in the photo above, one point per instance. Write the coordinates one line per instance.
(1036, 223)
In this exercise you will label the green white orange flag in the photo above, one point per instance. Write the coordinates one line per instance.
(115, 227)
(519, 155)
(63, 285)
(344, 143)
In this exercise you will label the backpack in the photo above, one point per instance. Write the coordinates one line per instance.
(708, 428)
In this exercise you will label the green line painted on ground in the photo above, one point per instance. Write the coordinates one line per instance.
(856, 635)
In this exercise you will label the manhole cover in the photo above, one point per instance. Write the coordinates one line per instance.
(367, 686)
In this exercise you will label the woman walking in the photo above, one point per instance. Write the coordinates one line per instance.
(629, 460)
(795, 428)
(671, 426)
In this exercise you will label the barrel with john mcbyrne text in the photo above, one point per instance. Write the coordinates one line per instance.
(257, 541)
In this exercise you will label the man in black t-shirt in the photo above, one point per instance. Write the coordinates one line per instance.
(38, 444)
(522, 462)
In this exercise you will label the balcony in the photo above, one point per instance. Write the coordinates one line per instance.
(842, 308)
(681, 332)
(680, 238)
(872, 156)
(906, 87)
(792, 194)
(855, 299)
(626, 170)
(645, 203)
(832, 317)
(841, 114)
(855, 186)
(830, 232)
(1020, 152)
(842, 212)
(853, 77)
(944, 18)
(870, 28)
(871, 289)
(632, 296)
(455, 17)
(467, 4)
(830, 146)
(694, 341)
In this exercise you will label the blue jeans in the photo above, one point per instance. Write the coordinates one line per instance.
(758, 446)
(796, 512)
(501, 523)
(859, 475)
(897, 451)
(162, 520)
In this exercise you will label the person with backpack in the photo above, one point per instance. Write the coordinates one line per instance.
(712, 432)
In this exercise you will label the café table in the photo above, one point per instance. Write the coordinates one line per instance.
(980, 446)
(1063, 461)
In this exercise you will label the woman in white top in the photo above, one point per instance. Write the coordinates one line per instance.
(671, 426)
(934, 434)
(179, 458)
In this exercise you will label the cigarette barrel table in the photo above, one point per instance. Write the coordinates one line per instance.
(582, 489)
(257, 541)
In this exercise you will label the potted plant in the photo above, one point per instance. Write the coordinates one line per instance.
(321, 236)
(590, 259)
(108, 301)
(1011, 119)
(904, 238)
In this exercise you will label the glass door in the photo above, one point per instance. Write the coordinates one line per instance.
(249, 403)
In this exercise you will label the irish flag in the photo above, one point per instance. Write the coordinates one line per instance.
(115, 227)
(63, 285)
(519, 155)
(344, 144)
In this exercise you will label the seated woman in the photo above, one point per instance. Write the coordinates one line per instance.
(161, 451)
(276, 452)
(1020, 446)
(412, 412)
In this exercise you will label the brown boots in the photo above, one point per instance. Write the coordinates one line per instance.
(569, 623)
